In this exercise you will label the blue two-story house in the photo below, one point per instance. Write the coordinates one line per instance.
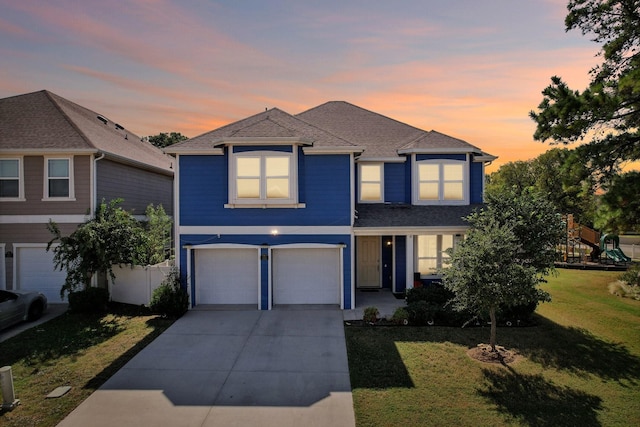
(305, 209)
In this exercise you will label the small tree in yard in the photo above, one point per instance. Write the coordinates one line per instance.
(158, 228)
(508, 250)
(112, 237)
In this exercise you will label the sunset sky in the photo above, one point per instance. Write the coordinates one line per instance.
(472, 69)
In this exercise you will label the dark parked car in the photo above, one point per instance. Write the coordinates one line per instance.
(16, 306)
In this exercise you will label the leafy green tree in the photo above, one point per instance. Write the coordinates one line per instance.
(509, 249)
(518, 175)
(567, 183)
(559, 175)
(620, 206)
(607, 113)
(112, 237)
(158, 228)
(164, 139)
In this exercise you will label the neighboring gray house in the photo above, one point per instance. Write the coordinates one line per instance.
(57, 161)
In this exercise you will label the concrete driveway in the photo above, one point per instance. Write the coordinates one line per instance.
(232, 368)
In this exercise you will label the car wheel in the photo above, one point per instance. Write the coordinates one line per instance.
(35, 311)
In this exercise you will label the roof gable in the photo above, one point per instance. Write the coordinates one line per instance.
(273, 123)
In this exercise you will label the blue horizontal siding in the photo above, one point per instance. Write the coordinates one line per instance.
(323, 183)
(476, 178)
(202, 187)
(394, 183)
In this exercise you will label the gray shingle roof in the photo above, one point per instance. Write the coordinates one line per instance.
(273, 123)
(381, 136)
(42, 121)
(437, 140)
(332, 124)
(404, 215)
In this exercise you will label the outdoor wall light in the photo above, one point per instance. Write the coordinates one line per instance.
(274, 232)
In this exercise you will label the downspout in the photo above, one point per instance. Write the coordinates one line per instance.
(94, 187)
(93, 203)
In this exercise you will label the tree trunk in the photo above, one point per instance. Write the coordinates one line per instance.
(494, 324)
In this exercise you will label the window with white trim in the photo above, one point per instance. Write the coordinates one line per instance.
(430, 254)
(11, 187)
(371, 182)
(58, 178)
(262, 177)
(440, 182)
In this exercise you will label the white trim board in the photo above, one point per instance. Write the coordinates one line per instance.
(43, 219)
(264, 229)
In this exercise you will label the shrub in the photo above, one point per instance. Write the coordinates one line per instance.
(400, 316)
(432, 303)
(632, 276)
(431, 293)
(518, 312)
(422, 312)
(170, 299)
(89, 300)
(371, 315)
(622, 289)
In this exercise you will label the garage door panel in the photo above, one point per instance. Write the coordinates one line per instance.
(226, 276)
(35, 272)
(306, 276)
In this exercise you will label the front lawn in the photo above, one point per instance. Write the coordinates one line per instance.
(580, 366)
(81, 351)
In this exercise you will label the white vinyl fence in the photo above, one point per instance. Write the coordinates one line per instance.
(136, 285)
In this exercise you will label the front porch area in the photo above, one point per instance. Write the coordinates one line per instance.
(383, 299)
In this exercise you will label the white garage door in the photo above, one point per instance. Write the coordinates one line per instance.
(35, 272)
(306, 276)
(226, 276)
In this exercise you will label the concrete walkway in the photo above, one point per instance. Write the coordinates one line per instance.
(232, 368)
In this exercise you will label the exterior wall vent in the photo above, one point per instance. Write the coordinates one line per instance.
(103, 119)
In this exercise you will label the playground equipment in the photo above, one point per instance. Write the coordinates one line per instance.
(615, 253)
(581, 237)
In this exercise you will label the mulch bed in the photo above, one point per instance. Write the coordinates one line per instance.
(485, 354)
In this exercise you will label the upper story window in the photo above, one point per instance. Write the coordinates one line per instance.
(262, 178)
(58, 178)
(371, 182)
(440, 182)
(11, 183)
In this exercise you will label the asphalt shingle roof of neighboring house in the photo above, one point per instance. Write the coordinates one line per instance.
(405, 215)
(44, 121)
(273, 123)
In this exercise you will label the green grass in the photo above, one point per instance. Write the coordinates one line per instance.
(81, 351)
(580, 366)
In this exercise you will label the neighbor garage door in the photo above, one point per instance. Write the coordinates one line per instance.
(226, 276)
(306, 276)
(35, 272)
